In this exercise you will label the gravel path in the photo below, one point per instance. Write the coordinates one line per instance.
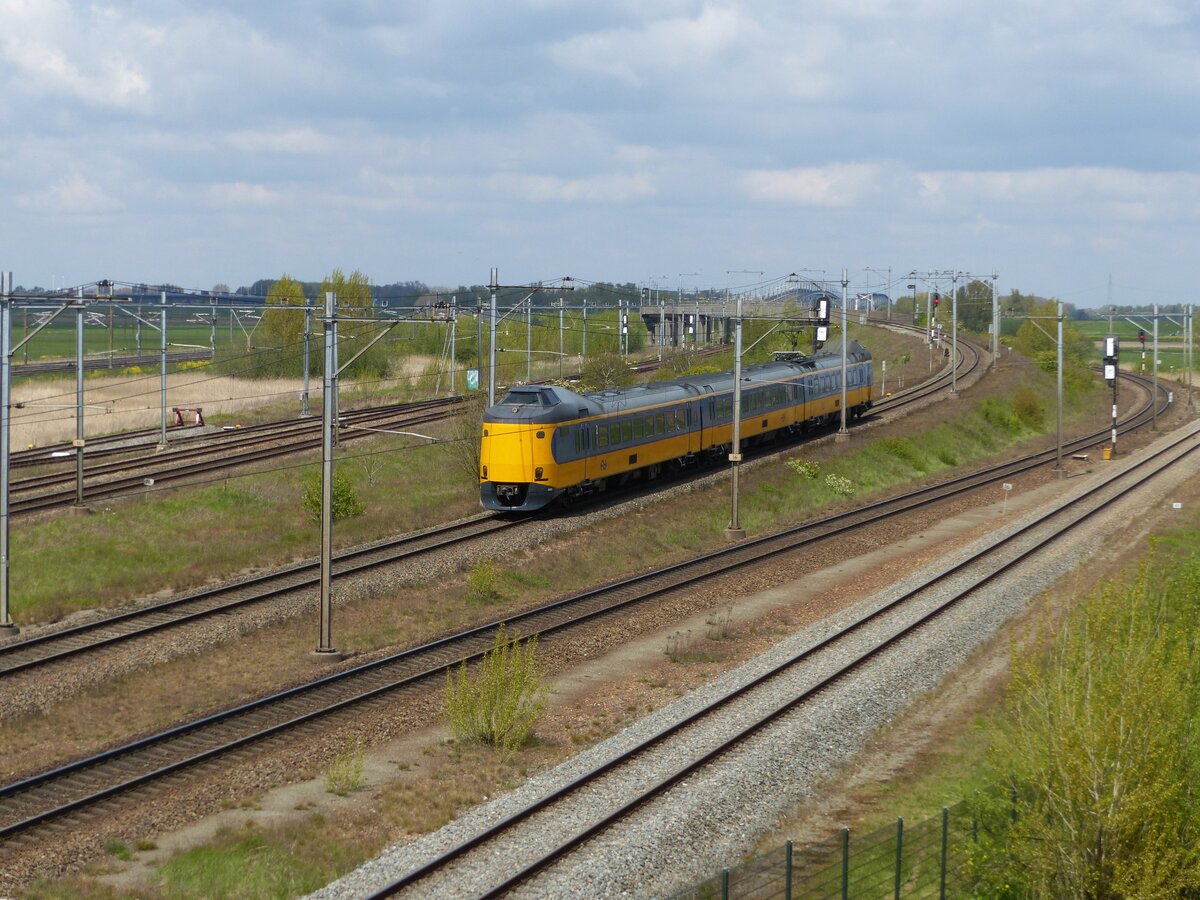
(717, 815)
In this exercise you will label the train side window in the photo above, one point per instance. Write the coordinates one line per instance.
(650, 425)
(662, 424)
(637, 428)
(578, 435)
(627, 430)
(614, 433)
(601, 436)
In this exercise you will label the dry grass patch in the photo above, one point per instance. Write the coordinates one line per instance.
(132, 402)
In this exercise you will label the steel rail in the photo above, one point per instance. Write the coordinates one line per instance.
(224, 459)
(221, 441)
(23, 655)
(141, 440)
(409, 667)
(94, 362)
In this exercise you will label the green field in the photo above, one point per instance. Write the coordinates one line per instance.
(1126, 330)
(184, 329)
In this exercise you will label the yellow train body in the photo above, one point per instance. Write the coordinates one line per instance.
(541, 441)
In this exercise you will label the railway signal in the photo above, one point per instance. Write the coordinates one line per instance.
(822, 332)
(1111, 349)
(1111, 368)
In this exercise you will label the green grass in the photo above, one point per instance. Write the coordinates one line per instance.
(983, 429)
(1172, 361)
(58, 339)
(958, 768)
(1126, 330)
(182, 538)
(245, 863)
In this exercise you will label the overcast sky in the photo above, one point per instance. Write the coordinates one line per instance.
(204, 142)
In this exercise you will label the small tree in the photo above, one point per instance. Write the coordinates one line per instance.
(355, 301)
(1101, 749)
(284, 326)
(465, 436)
(502, 702)
(346, 502)
(605, 370)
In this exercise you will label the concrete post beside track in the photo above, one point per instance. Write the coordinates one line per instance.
(7, 627)
(843, 434)
(735, 532)
(79, 440)
(162, 328)
(325, 638)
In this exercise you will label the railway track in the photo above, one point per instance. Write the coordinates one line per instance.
(105, 777)
(130, 465)
(21, 656)
(531, 839)
(122, 361)
(131, 469)
(224, 451)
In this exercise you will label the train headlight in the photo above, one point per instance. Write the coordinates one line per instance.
(537, 473)
(485, 471)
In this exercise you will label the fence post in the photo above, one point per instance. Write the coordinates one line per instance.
(945, 848)
(725, 883)
(845, 864)
(899, 851)
(787, 872)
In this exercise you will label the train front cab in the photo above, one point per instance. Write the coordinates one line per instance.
(517, 472)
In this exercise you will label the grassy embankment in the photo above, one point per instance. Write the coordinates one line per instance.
(132, 547)
(1094, 735)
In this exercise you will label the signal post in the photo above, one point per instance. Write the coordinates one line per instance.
(1111, 369)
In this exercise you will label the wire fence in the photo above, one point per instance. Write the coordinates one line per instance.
(939, 857)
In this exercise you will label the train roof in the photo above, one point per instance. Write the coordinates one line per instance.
(551, 403)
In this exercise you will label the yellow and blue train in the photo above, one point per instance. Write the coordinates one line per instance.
(541, 442)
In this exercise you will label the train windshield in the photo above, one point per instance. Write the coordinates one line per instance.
(526, 397)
